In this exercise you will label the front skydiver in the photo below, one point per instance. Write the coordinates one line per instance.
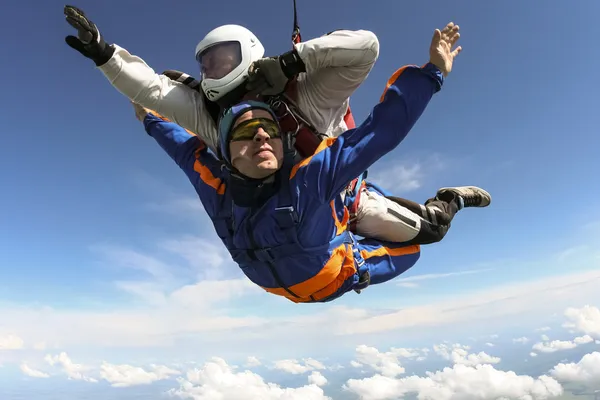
(292, 238)
(325, 72)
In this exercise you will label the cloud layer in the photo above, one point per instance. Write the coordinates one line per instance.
(468, 374)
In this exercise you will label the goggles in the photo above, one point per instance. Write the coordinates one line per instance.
(247, 129)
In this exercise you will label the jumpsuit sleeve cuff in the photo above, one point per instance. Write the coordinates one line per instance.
(435, 73)
(148, 119)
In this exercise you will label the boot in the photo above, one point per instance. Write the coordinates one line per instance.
(469, 196)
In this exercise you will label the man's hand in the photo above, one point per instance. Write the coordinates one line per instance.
(266, 77)
(88, 42)
(440, 52)
(269, 76)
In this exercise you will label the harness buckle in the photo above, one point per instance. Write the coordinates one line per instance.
(364, 277)
(358, 258)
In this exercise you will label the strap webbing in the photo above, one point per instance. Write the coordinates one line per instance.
(296, 38)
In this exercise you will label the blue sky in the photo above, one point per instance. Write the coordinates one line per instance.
(100, 228)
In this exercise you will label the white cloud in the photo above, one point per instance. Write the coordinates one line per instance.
(336, 367)
(410, 174)
(490, 344)
(72, 370)
(543, 329)
(252, 361)
(586, 371)
(165, 199)
(217, 380)
(470, 376)
(408, 352)
(585, 320)
(167, 319)
(521, 340)
(34, 373)
(118, 375)
(127, 375)
(295, 367)
(401, 177)
(491, 304)
(545, 337)
(386, 363)
(458, 382)
(128, 258)
(557, 345)
(11, 342)
(317, 378)
(202, 295)
(445, 351)
(423, 277)
(459, 354)
(181, 205)
(40, 346)
(408, 285)
(207, 258)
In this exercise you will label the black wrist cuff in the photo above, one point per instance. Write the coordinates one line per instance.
(291, 64)
(106, 52)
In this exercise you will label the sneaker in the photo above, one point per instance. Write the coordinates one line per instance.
(471, 196)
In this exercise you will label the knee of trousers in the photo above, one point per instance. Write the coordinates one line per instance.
(380, 218)
(431, 233)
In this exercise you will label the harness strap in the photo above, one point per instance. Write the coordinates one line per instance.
(272, 254)
(352, 198)
(285, 213)
(296, 38)
(306, 137)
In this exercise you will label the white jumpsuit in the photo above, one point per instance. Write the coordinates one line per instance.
(336, 65)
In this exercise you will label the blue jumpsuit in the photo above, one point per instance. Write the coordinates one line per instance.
(297, 244)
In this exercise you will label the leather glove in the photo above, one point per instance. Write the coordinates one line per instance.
(270, 76)
(88, 42)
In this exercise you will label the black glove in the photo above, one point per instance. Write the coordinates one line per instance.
(88, 42)
(270, 76)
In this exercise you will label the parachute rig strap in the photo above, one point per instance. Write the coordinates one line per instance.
(296, 38)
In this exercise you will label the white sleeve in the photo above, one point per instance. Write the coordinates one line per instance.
(336, 65)
(131, 76)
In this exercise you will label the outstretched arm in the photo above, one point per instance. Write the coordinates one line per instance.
(336, 65)
(339, 160)
(131, 76)
(189, 152)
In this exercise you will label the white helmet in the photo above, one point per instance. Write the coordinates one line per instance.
(224, 55)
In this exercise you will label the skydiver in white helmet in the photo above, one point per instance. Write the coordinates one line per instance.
(321, 73)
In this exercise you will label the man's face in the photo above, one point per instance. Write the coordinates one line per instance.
(220, 59)
(253, 151)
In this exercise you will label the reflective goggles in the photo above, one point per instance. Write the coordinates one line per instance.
(248, 129)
